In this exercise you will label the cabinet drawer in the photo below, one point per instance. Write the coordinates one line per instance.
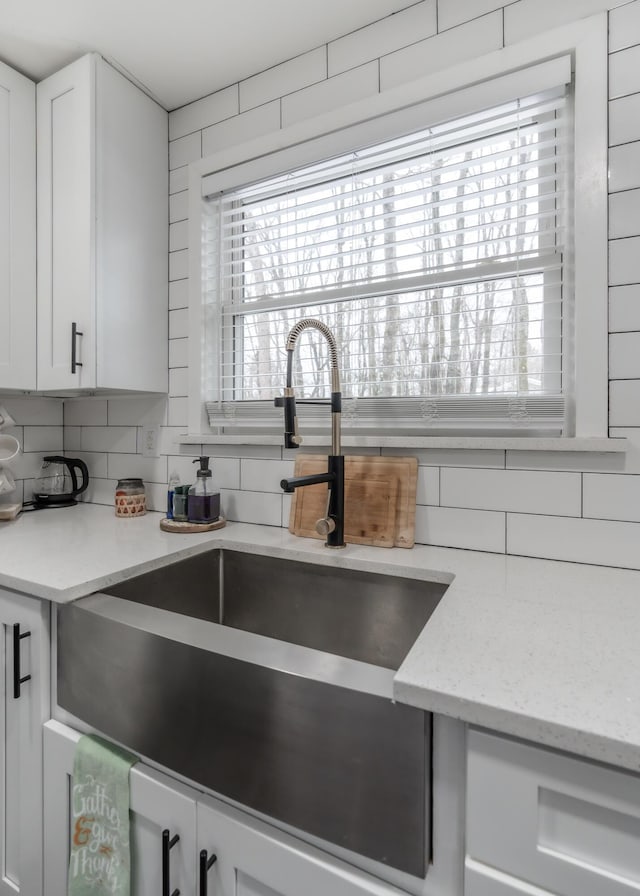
(563, 824)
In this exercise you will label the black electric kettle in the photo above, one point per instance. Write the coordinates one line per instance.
(57, 485)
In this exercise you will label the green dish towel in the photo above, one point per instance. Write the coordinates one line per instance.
(100, 859)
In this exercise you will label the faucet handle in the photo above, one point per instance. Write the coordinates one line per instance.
(325, 526)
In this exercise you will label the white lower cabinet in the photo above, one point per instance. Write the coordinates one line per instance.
(158, 804)
(542, 822)
(251, 857)
(24, 705)
(255, 859)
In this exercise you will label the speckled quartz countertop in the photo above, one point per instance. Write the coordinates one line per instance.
(543, 650)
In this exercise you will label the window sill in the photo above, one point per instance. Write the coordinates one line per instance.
(489, 443)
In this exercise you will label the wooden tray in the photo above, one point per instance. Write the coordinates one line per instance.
(185, 527)
(380, 499)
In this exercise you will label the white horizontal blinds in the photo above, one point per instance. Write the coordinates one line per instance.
(436, 259)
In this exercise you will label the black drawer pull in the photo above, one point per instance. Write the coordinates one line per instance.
(168, 843)
(206, 862)
(17, 680)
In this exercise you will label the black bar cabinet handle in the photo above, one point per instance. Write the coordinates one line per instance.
(75, 332)
(206, 862)
(168, 842)
(17, 680)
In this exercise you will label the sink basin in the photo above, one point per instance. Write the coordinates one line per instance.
(268, 681)
(355, 614)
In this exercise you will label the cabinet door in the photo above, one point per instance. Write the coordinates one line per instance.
(563, 824)
(24, 706)
(256, 859)
(17, 231)
(66, 225)
(157, 804)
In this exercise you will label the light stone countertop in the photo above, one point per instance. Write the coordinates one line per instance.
(540, 649)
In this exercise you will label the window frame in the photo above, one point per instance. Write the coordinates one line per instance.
(586, 42)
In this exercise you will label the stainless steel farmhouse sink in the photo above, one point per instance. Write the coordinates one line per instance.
(268, 681)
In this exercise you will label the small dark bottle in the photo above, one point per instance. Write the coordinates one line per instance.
(203, 504)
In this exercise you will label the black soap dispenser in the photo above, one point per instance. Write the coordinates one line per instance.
(203, 504)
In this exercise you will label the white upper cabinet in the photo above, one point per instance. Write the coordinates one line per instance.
(17, 231)
(102, 232)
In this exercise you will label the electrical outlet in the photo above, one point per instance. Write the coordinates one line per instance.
(150, 441)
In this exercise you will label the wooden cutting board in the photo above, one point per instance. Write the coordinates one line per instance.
(380, 499)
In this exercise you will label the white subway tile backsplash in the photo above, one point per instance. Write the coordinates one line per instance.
(42, 438)
(624, 356)
(394, 32)
(612, 497)
(178, 412)
(178, 352)
(137, 410)
(178, 179)
(251, 507)
(624, 26)
(109, 438)
(263, 475)
(287, 502)
(519, 491)
(624, 308)
(624, 214)
(348, 87)
(624, 167)
(569, 461)
(624, 261)
(428, 490)
(279, 80)
(178, 381)
(34, 411)
(269, 452)
(602, 542)
(178, 294)
(452, 457)
(85, 412)
(179, 323)
(198, 115)
(446, 49)
(624, 117)
(261, 120)
(457, 12)
(101, 491)
(185, 150)
(624, 72)
(624, 403)
(632, 454)
(178, 235)
(129, 466)
(25, 466)
(534, 497)
(179, 206)
(71, 438)
(475, 530)
(179, 264)
(156, 496)
(96, 462)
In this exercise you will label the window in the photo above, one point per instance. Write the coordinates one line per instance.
(436, 243)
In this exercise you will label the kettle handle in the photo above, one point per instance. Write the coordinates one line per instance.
(74, 463)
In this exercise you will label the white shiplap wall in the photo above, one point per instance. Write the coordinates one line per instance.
(582, 507)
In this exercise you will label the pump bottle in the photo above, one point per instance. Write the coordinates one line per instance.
(203, 503)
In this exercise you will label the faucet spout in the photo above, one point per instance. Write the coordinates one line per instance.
(333, 524)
